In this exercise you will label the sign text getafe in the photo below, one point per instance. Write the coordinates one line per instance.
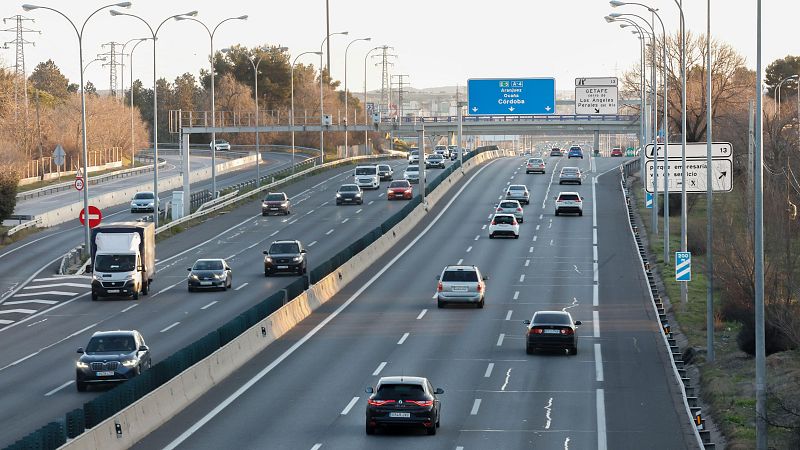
(596, 96)
(519, 96)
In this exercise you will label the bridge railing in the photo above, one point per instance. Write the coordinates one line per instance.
(501, 119)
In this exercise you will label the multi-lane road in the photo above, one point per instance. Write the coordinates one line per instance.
(306, 391)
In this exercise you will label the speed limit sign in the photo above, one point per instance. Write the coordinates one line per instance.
(79, 183)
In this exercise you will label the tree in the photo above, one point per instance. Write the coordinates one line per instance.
(779, 70)
(90, 89)
(48, 77)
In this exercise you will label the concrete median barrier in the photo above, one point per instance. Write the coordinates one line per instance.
(131, 424)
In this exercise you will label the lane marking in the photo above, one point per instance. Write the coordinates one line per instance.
(358, 210)
(422, 314)
(403, 339)
(522, 278)
(241, 286)
(293, 221)
(170, 327)
(30, 324)
(52, 285)
(600, 403)
(535, 237)
(595, 295)
(271, 366)
(209, 305)
(594, 253)
(459, 262)
(274, 233)
(527, 262)
(129, 308)
(469, 249)
(500, 339)
(378, 370)
(311, 244)
(516, 295)
(530, 250)
(349, 406)
(318, 445)
(477, 237)
(329, 232)
(541, 216)
(596, 323)
(508, 314)
(537, 227)
(475, 406)
(345, 220)
(34, 294)
(59, 388)
(551, 242)
(594, 236)
(483, 227)
(489, 369)
(548, 409)
(598, 363)
(18, 311)
(505, 383)
(594, 203)
(371, 202)
(37, 300)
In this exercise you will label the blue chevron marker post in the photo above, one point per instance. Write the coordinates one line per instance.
(683, 266)
(648, 200)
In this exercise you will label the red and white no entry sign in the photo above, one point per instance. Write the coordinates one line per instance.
(95, 216)
(79, 183)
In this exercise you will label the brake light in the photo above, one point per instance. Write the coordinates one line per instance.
(578, 200)
(519, 209)
(514, 222)
(421, 402)
(480, 288)
(494, 223)
(566, 331)
(379, 402)
(536, 331)
(499, 209)
(439, 287)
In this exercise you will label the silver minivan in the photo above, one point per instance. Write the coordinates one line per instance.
(461, 284)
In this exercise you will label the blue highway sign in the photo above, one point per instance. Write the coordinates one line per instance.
(683, 266)
(511, 96)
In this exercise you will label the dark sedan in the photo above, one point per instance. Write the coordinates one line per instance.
(285, 256)
(210, 274)
(349, 194)
(403, 401)
(551, 330)
(111, 356)
(276, 203)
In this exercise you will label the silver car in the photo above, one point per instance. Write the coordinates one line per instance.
(570, 175)
(460, 284)
(511, 207)
(518, 192)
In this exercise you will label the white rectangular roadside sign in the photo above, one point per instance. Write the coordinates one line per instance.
(721, 176)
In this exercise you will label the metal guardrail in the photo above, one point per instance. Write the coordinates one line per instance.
(23, 226)
(502, 119)
(219, 199)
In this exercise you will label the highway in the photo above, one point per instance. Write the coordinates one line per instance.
(43, 356)
(306, 391)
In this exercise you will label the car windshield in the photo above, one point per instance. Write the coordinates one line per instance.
(435, 156)
(506, 220)
(509, 204)
(400, 391)
(284, 247)
(551, 318)
(412, 169)
(101, 344)
(143, 196)
(348, 188)
(274, 198)
(566, 171)
(534, 161)
(114, 263)
(563, 197)
(465, 276)
(415, 153)
(399, 184)
(365, 171)
(384, 167)
(516, 188)
(207, 265)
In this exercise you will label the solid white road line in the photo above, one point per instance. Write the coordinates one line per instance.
(170, 327)
(271, 366)
(350, 406)
(273, 233)
(209, 305)
(129, 308)
(596, 323)
(36, 300)
(475, 406)
(489, 369)
(508, 314)
(422, 314)
(378, 370)
(500, 339)
(329, 232)
(311, 244)
(516, 295)
(316, 446)
(403, 339)
(594, 203)
(293, 221)
(598, 363)
(241, 286)
(600, 403)
(59, 388)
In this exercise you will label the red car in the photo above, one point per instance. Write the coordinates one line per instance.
(400, 189)
(616, 151)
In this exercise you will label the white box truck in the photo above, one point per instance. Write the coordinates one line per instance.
(123, 259)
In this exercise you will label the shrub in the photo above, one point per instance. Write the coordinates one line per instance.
(8, 194)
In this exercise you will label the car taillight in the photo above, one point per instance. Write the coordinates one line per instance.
(494, 223)
(513, 222)
(439, 287)
(519, 209)
(499, 209)
(578, 200)
(421, 402)
(566, 331)
(379, 402)
(535, 331)
(480, 288)
(526, 194)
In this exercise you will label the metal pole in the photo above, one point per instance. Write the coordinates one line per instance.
(130, 62)
(258, 153)
(709, 202)
(654, 105)
(328, 33)
(155, 138)
(460, 106)
(291, 115)
(761, 395)
(366, 119)
(684, 211)
(213, 125)
(422, 183)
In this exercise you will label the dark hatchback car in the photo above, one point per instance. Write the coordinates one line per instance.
(556, 152)
(385, 172)
(285, 256)
(349, 194)
(210, 274)
(276, 203)
(551, 330)
(403, 401)
(111, 356)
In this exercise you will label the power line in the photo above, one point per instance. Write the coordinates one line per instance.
(20, 76)
(385, 80)
(111, 55)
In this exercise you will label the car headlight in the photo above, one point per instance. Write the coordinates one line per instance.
(129, 363)
(81, 365)
(97, 277)
(216, 276)
(297, 258)
(193, 277)
(268, 259)
(358, 194)
(133, 204)
(129, 277)
(338, 195)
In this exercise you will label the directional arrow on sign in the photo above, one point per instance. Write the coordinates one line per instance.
(597, 110)
(547, 108)
(723, 175)
(511, 109)
(474, 109)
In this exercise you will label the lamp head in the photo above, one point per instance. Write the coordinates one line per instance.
(615, 15)
(124, 4)
(367, 39)
(343, 33)
(29, 7)
(114, 12)
(615, 3)
(609, 19)
(244, 17)
(624, 25)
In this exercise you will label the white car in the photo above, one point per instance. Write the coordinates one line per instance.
(442, 150)
(220, 144)
(518, 192)
(504, 225)
(367, 177)
(411, 174)
(569, 202)
(413, 155)
(511, 207)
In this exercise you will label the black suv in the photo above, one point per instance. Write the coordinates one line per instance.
(277, 203)
(403, 401)
(111, 356)
(285, 256)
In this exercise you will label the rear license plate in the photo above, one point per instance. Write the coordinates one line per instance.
(400, 414)
(552, 331)
(460, 288)
(105, 374)
(283, 267)
(113, 291)
(205, 283)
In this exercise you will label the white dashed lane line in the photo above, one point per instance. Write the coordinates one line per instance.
(475, 407)
(349, 406)
(527, 262)
(129, 308)
(489, 369)
(209, 305)
(403, 339)
(508, 314)
(477, 237)
(241, 286)
(329, 232)
(422, 314)
(378, 370)
(459, 262)
(522, 278)
(311, 244)
(345, 220)
(516, 295)
(59, 388)
(500, 339)
(469, 249)
(170, 327)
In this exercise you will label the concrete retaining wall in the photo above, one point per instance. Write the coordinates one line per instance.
(156, 408)
(54, 175)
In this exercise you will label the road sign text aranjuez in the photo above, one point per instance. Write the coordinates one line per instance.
(511, 96)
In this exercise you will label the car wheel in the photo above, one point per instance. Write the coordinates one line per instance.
(480, 304)
(573, 350)
(560, 182)
(439, 304)
(521, 220)
(81, 386)
(266, 272)
(145, 287)
(530, 350)
(370, 430)
(94, 296)
(516, 236)
(556, 212)
(305, 270)
(432, 430)
(190, 289)
(135, 295)
(580, 213)
(263, 214)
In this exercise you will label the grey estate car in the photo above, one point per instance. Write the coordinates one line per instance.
(461, 284)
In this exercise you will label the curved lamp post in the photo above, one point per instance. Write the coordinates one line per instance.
(322, 95)
(291, 118)
(366, 119)
(346, 148)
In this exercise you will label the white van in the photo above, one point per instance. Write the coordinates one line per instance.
(366, 177)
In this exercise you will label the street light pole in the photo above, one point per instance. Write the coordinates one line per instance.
(28, 7)
(709, 201)
(154, 35)
(778, 94)
(291, 116)
(211, 34)
(130, 63)
(684, 209)
(346, 148)
(322, 94)
(758, 248)
(366, 119)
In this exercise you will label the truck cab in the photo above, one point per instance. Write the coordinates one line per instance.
(123, 259)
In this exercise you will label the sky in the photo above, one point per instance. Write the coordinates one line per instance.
(437, 42)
